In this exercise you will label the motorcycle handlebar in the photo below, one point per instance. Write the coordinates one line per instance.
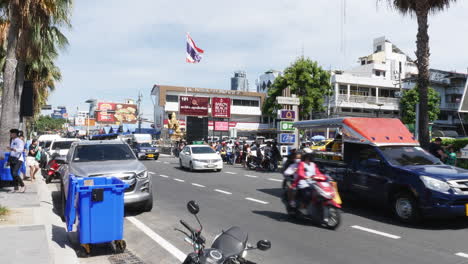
(192, 231)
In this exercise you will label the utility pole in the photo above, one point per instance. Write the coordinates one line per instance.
(139, 111)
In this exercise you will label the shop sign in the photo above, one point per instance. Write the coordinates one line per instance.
(193, 106)
(221, 107)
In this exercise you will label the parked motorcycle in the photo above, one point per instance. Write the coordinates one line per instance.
(229, 247)
(321, 203)
(51, 169)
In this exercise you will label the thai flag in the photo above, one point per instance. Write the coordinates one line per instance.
(193, 52)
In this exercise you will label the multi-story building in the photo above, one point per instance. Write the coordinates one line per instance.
(374, 87)
(265, 80)
(239, 82)
(450, 86)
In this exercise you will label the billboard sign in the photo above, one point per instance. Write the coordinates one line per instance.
(286, 126)
(287, 138)
(287, 100)
(286, 114)
(193, 106)
(221, 107)
(115, 112)
(221, 126)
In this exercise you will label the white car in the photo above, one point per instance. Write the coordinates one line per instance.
(200, 157)
(60, 146)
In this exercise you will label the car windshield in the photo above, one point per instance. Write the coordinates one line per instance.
(102, 152)
(405, 156)
(145, 145)
(62, 145)
(45, 144)
(202, 150)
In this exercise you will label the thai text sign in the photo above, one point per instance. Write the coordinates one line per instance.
(287, 114)
(221, 126)
(193, 106)
(221, 107)
(286, 126)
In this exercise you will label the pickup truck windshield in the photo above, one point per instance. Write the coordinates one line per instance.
(406, 156)
(102, 152)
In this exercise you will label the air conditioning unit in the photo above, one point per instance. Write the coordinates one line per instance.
(398, 94)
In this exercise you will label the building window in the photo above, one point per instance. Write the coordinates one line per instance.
(345, 109)
(239, 102)
(373, 92)
(343, 89)
(172, 98)
(378, 48)
(363, 62)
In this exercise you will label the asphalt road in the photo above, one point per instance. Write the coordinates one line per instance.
(251, 200)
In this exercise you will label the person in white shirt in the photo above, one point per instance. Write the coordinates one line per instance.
(16, 160)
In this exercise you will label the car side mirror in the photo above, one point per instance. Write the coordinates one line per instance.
(193, 207)
(264, 245)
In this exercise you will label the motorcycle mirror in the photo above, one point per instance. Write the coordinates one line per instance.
(264, 245)
(193, 208)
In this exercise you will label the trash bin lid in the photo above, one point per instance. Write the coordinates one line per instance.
(70, 209)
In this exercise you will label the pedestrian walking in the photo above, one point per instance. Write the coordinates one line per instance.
(276, 155)
(16, 160)
(33, 158)
(451, 156)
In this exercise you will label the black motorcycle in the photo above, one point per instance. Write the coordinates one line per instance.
(229, 247)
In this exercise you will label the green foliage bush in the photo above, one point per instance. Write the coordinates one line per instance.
(458, 143)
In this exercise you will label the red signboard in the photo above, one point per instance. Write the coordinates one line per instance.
(221, 126)
(115, 112)
(193, 106)
(221, 107)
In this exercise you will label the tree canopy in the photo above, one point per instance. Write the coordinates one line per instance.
(411, 98)
(47, 123)
(307, 80)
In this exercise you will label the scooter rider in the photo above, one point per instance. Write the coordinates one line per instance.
(306, 171)
(290, 174)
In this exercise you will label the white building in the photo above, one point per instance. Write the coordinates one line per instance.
(246, 114)
(239, 82)
(265, 80)
(373, 87)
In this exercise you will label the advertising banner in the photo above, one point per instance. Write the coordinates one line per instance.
(193, 106)
(286, 114)
(115, 112)
(221, 126)
(221, 107)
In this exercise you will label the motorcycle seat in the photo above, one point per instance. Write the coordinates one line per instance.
(231, 242)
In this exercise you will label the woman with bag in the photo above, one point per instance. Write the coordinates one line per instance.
(16, 160)
(34, 156)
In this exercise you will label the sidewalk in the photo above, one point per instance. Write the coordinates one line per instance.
(32, 232)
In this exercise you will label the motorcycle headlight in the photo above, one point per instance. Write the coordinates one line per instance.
(434, 184)
(142, 175)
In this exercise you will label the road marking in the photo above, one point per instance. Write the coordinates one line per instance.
(276, 180)
(251, 176)
(152, 173)
(158, 239)
(255, 200)
(221, 191)
(164, 176)
(166, 162)
(461, 254)
(198, 185)
(158, 161)
(179, 180)
(375, 232)
(230, 172)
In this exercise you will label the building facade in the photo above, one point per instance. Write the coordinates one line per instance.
(246, 114)
(374, 87)
(239, 82)
(450, 86)
(265, 80)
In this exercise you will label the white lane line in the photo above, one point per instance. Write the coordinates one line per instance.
(158, 239)
(276, 180)
(166, 162)
(375, 232)
(150, 172)
(221, 191)
(255, 200)
(251, 176)
(179, 180)
(230, 172)
(158, 161)
(461, 254)
(198, 185)
(164, 176)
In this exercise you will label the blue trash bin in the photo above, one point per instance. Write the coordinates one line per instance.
(98, 203)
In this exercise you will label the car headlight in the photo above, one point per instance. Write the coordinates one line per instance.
(143, 150)
(142, 175)
(434, 184)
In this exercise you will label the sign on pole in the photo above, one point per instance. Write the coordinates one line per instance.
(286, 126)
(287, 138)
(287, 100)
(287, 114)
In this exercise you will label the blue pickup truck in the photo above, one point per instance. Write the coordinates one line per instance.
(380, 161)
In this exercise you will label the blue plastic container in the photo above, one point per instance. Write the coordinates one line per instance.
(5, 172)
(98, 203)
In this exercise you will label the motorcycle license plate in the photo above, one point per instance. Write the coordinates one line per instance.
(150, 155)
(466, 209)
(337, 197)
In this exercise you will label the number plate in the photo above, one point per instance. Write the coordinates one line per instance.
(150, 155)
(210, 165)
(466, 209)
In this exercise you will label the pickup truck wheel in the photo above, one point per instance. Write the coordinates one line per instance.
(405, 208)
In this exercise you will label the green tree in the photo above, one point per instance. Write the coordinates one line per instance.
(422, 9)
(411, 98)
(305, 79)
(47, 123)
(32, 24)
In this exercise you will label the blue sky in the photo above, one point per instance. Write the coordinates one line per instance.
(120, 47)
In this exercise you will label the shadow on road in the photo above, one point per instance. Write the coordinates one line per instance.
(276, 192)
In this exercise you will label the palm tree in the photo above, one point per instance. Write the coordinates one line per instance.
(28, 22)
(422, 9)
